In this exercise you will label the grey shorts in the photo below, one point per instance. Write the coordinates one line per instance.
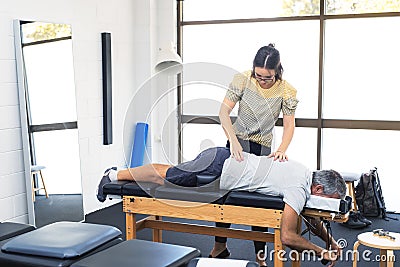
(208, 162)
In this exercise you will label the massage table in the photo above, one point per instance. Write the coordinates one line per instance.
(57, 244)
(207, 202)
(83, 244)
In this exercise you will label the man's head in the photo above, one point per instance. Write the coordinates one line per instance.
(328, 183)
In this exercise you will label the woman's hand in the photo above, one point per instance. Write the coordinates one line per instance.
(278, 155)
(236, 150)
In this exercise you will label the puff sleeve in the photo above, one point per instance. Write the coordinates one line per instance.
(290, 100)
(236, 87)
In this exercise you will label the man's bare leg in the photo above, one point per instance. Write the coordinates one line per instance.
(154, 173)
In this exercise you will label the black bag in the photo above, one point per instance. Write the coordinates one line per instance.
(369, 197)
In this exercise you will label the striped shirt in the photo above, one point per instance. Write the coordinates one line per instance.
(259, 108)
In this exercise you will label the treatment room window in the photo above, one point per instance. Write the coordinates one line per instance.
(199, 137)
(361, 6)
(361, 150)
(343, 63)
(303, 145)
(361, 73)
(203, 99)
(300, 61)
(211, 9)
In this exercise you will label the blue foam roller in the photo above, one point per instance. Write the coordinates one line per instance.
(139, 144)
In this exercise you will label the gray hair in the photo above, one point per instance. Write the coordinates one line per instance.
(332, 182)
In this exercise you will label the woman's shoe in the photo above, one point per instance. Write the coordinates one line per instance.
(223, 255)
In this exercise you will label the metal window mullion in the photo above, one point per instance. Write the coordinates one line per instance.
(309, 123)
(28, 112)
(179, 35)
(294, 18)
(47, 41)
(320, 81)
(252, 20)
(53, 126)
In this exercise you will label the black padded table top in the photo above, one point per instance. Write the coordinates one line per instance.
(207, 194)
(22, 260)
(62, 239)
(141, 253)
(57, 244)
(10, 229)
(194, 194)
(142, 189)
(127, 188)
(114, 188)
(255, 200)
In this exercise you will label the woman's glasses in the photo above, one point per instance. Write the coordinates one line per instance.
(266, 79)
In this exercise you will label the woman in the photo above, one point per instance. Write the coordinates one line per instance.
(262, 95)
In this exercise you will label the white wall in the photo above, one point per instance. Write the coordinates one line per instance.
(133, 28)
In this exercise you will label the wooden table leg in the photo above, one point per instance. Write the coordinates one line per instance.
(355, 253)
(278, 249)
(44, 185)
(157, 233)
(382, 259)
(130, 222)
(296, 257)
(390, 258)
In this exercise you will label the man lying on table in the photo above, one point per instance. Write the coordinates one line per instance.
(289, 179)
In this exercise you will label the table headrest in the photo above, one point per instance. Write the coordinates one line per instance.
(329, 204)
(350, 176)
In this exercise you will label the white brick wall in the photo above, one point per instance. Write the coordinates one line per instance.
(132, 30)
(9, 94)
